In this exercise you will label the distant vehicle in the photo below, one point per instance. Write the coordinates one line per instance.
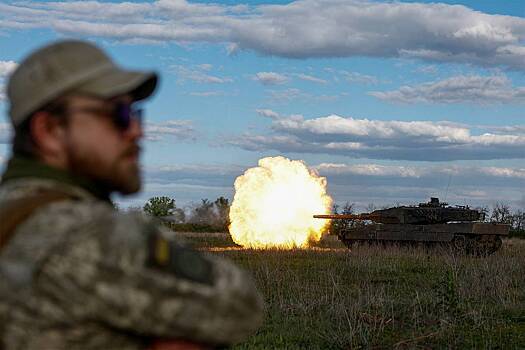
(429, 223)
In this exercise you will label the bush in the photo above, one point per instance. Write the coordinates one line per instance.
(159, 206)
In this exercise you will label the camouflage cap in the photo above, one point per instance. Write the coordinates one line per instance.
(71, 66)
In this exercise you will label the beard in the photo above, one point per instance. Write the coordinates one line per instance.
(121, 174)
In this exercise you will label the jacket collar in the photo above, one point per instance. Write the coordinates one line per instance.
(20, 167)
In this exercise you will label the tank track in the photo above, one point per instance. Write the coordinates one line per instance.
(475, 245)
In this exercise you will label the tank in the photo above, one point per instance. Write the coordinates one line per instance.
(431, 223)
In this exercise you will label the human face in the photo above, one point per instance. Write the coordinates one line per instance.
(98, 149)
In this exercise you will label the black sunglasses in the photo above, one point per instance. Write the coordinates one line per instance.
(124, 113)
(121, 114)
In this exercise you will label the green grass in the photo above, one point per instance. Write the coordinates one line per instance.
(384, 298)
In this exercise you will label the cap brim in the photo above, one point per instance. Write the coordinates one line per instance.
(115, 82)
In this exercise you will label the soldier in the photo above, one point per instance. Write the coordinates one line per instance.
(74, 272)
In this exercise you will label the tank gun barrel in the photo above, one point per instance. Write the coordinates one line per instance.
(376, 217)
(367, 216)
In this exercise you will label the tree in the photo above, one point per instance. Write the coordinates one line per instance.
(337, 225)
(501, 213)
(204, 213)
(222, 205)
(370, 207)
(518, 220)
(484, 210)
(159, 206)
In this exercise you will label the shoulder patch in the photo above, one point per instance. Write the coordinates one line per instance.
(173, 257)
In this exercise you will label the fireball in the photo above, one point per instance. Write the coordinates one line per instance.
(274, 203)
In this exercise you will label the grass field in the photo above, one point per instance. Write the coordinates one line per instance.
(375, 298)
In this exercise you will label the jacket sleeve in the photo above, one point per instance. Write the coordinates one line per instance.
(128, 273)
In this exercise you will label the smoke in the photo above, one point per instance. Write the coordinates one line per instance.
(209, 213)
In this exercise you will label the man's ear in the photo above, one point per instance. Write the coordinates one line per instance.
(48, 134)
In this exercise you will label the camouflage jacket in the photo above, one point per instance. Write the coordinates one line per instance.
(78, 274)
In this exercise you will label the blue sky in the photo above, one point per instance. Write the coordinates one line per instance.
(392, 101)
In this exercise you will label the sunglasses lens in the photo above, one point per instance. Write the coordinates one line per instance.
(122, 116)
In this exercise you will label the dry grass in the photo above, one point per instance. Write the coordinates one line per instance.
(384, 298)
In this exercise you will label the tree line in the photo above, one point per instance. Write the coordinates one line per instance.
(203, 216)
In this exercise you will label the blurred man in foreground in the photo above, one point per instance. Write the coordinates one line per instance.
(74, 272)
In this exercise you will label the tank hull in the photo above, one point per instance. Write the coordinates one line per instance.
(472, 237)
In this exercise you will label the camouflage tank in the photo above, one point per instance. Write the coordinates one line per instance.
(429, 223)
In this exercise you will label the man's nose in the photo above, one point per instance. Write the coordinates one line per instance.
(135, 130)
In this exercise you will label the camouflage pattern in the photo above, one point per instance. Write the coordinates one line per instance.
(76, 276)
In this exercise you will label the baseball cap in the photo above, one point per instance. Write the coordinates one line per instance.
(71, 66)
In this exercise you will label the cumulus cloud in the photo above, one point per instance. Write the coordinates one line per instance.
(270, 78)
(457, 89)
(198, 74)
(379, 139)
(300, 29)
(178, 130)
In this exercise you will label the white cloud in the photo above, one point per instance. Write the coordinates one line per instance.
(179, 130)
(198, 74)
(270, 78)
(428, 69)
(389, 184)
(504, 172)
(167, 173)
(5, 133)
(363, 183)
(510, 129)
(287, 94)
(415, 172)
(334, 28)
(311, 78)
(207, 93)
(368, 170)
(379, 139)
(2, 92)
(354, 77)
(205, 66)
(457, 89)
(6, 67)
(268, 113)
